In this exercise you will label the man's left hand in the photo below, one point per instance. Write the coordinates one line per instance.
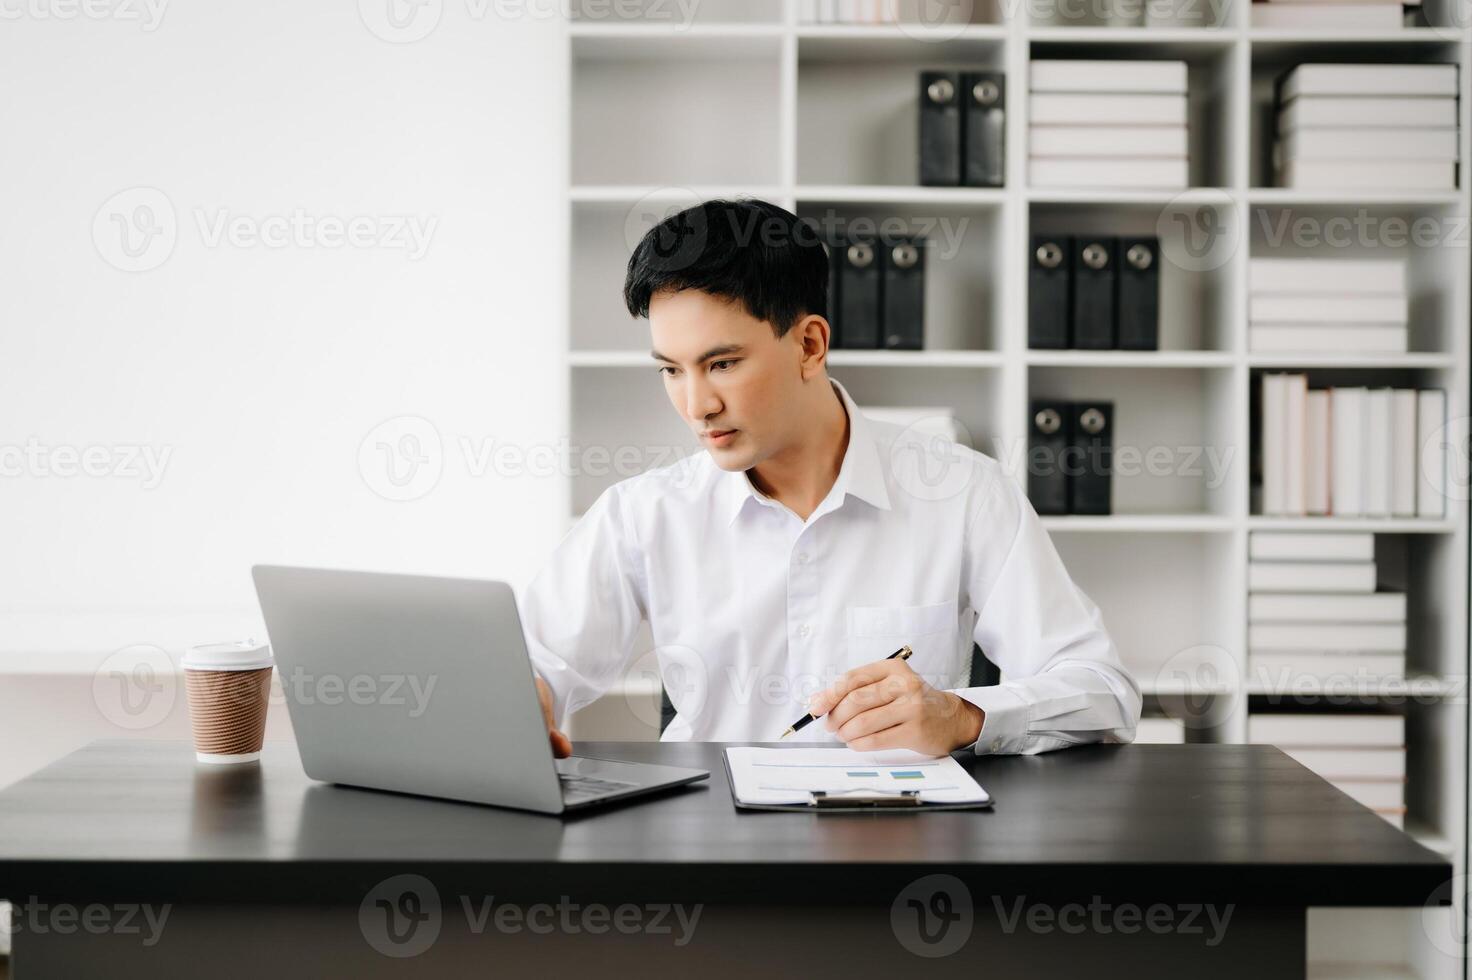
(886, 705)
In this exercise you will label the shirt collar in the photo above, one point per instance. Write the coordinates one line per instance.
(860, 475)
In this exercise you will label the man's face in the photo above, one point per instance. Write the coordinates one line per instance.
(731, 378)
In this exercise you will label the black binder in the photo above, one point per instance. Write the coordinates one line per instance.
(834, 247)
(1137, 310)
(1093, 294)
(984, 128)
(1048, 288)
(904, 295)
(940, 129)
(1048, 438)
(858, 295)
(1092, 459)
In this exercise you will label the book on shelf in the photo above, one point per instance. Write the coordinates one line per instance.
(1082, 109)
(1118, 172)
(1318, 636)
(1379, 452)
(1290, 607)
(1351, 763)
(1106, 141)
(1327, 309)
(1368, 174)
(1284, 671)
(1317, 338)
(1311, 546)
(1384, 144)
(1367, 112)
(1114, 76)
(1267, 275)
(1337, 16)
(1315, 577)
(1369, 80)
(1377, 794)
(1433, 453)
(1327, 730)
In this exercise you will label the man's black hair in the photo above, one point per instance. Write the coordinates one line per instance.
(751, 252)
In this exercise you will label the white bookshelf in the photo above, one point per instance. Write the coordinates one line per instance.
(822, 120)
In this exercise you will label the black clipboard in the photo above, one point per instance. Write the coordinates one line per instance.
(905, 802)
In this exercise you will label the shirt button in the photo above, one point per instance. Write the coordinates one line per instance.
(802, 557)
(804, 630)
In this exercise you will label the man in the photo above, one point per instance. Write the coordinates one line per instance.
(780, 568)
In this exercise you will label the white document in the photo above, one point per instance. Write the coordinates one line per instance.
(789, 776)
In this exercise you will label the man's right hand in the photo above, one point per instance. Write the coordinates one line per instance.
(561, 744)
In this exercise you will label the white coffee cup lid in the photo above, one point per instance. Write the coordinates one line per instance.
(240, 655)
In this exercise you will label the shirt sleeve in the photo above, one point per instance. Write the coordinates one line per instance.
(582, 611)
(1064, 682)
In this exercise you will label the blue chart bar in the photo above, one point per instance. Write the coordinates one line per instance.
(907, 774)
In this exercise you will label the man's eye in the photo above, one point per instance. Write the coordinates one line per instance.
(717, 365)
(667, 371)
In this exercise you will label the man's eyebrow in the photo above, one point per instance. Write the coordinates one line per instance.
(713, 352)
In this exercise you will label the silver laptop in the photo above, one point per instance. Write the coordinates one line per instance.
(423, 685)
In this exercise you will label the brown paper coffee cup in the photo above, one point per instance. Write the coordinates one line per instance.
(229, 687)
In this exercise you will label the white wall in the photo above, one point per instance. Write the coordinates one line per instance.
(261, 370)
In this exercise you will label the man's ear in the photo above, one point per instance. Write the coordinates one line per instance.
(812, 335)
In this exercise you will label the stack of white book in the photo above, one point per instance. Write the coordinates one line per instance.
(1364, 755)
(1333, 14)
(1107, 124)
(880, 12)
(1367, 126)
(1314, 617)
(1323, 305)
(1351, 451)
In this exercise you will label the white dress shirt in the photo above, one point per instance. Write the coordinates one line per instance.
(752, 609)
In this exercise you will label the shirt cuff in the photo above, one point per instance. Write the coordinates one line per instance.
(1004, 727)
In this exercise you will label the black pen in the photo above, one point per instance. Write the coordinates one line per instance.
(903, 653)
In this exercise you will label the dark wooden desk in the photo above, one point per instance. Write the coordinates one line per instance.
(1147, 860)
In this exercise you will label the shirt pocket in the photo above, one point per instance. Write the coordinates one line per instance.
(875, 632)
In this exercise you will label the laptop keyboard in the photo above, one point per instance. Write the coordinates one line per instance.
(575, 787)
